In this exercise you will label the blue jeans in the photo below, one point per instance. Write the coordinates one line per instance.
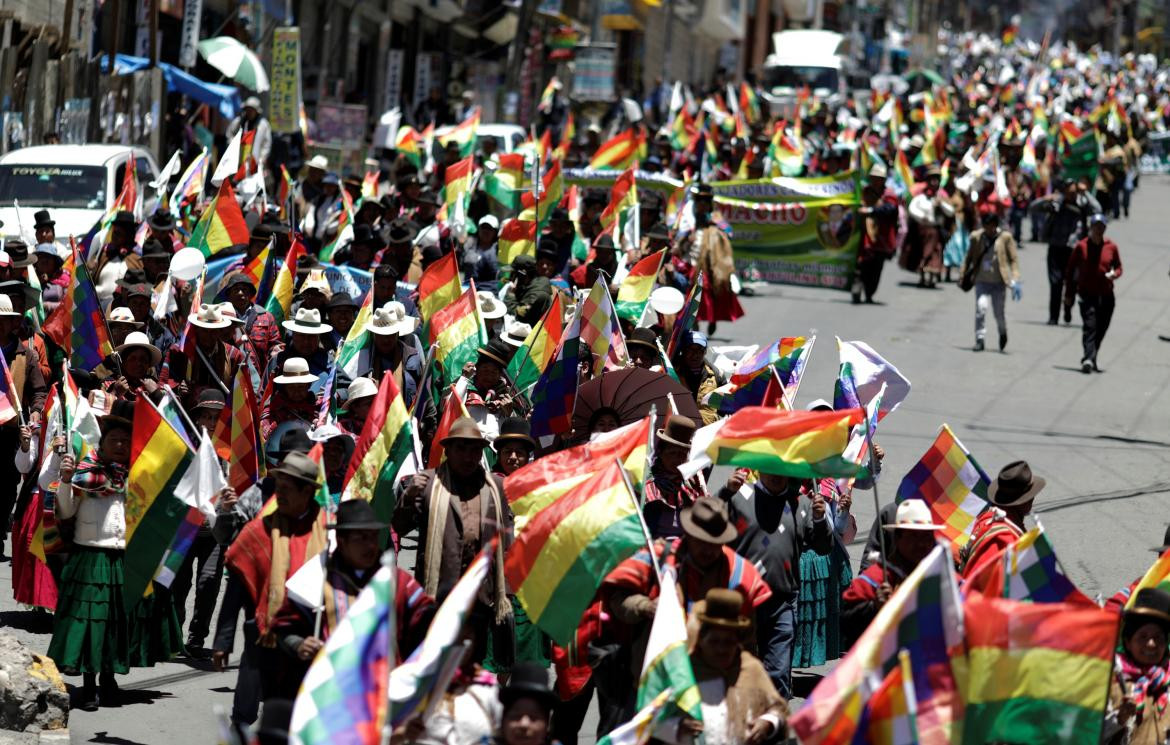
(776, 636)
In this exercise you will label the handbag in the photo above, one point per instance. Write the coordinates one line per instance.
(967, 280)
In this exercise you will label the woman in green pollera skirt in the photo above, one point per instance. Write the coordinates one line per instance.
(93, 632)
(822, 580)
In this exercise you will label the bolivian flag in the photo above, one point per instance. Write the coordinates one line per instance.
(622, 196)
(159, 458)
(799, 444)
(280, 301)
(386, 441)
(552, 191)
(617, 153)
(439, 286)
(459, 332)
(464, 134)
(560, 557)
(634, 293)
(539, 348)
(516, 237)
(221, 225)
(458, 180)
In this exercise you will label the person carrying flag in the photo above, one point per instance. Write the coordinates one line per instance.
(29, 389)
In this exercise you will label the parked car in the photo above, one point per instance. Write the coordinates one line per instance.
(76, 183)
(507, 136)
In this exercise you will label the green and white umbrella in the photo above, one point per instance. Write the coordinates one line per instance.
(235, 61)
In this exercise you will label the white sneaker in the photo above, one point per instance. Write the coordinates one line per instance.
(1086, 366)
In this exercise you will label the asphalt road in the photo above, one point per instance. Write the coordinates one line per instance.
(1102, 441)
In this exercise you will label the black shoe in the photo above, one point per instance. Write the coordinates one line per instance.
(109, 694)
(1068, 315)
(711, 328)
(1002, 340)
(1086, 367)
(86, 696)
(857, 299)
(1052, 321)
(978, 345)
(195, 650)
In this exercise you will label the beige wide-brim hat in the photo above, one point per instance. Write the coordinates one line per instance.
(490, 307)
(515, 333)
(913, 514)
(295, 370)
(391, 319)
(208, 317)
(307, 321)
(139, 340)
(359, 389)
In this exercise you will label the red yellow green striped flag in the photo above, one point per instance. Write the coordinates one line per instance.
(801, 444)
(454, 407)
(904, 175)
(568, 132)
(622, 196)
(459, 332)
(617, 153)
(255, 268)
(539, 348)
(560, 557)
(634, 293)
(458, 180)
(1158, 575)
(386, 441)
(552, 191)
(545, 480)
(439, 286)
(407, 143)
(159, 457)
(517, 237)
(280, 301)
(464, 134)
(1036, 669)
(505, 182)
(222, 223)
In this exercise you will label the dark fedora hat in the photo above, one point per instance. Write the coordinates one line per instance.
(123, 217)
(298, 466)
(357, 514)
(238, 278)
(496, 351)
(153, 248)
(604, 242)
(707, 520)
(528, 680)
(464, 428)
(679, 430)
(516, 429)
(25, 290)
(401, 230)
(427, 196)
(210, 398)
(41, 219)
(342, 300)
(723, 608)
(643, 337)
(1152, 603)
(547, 249)
(658, 231)
(364, 234)
(162, 221)
(1015, 485)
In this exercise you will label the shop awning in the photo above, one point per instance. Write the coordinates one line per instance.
(223, 98)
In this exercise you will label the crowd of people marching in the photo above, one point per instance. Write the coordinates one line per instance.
(499, 348)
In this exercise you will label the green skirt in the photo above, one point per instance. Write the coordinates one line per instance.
(93, 633)
(818, 609)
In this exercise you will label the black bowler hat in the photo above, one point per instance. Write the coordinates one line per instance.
(364, 234)
(357, 514)
(528, 680)
(517, 429)
(162, 221)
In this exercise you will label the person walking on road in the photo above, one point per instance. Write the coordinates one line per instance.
(1092, 267)
(991, 267)
(1067, 209)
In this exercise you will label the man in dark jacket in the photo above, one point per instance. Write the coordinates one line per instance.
(1066, 210)
(531, 293)
(1092, 267)
(775, 526)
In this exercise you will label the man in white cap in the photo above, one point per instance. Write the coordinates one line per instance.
(249, 120)
(478, 260)
(914, 535)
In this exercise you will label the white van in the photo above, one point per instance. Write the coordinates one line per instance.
(76, 183)
(803, 58)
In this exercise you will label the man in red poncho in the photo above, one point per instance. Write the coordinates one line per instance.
(1001, 525)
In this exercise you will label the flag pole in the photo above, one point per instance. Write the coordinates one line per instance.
(324, 589)
(877, 507)
(641, 518)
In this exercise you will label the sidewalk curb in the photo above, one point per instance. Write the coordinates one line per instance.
(55, 737)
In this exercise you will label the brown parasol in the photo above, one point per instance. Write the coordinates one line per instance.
(631, 392)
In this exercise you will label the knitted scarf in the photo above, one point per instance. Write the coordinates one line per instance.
(439, 506)
(100, 478)
(1150, 683)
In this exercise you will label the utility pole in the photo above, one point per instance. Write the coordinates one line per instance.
(519, 43)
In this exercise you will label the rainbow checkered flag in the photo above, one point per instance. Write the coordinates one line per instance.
(344, 695)
(951, 483)
(1033, 574)
(600, 329)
